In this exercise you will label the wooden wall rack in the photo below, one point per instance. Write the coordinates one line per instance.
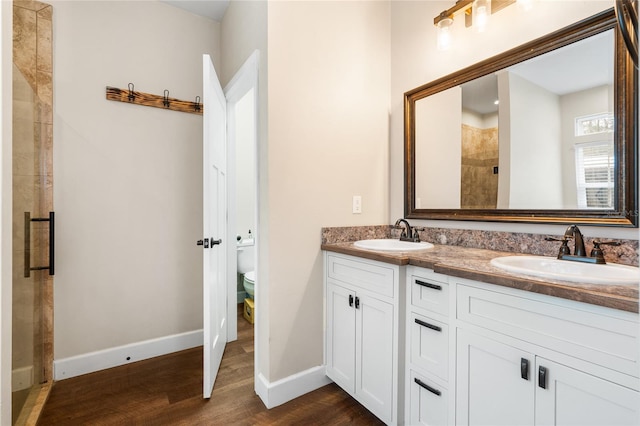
(158, 101)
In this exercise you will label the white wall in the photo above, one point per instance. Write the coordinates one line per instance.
(438, 129)
(127, 178)
(245, 167)
(328, 140)
(535, 151)
(416, 61)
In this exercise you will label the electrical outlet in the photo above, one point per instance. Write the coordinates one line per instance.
(357, 204)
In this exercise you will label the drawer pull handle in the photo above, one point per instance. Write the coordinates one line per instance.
(351, 300)
(542, 377)
(426, 324)
(524, 368)
(429, 285)
(357, 302)
(427, 387)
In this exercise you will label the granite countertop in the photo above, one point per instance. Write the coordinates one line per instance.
(473, 264)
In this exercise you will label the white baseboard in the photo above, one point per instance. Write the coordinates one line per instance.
(284, 390)
(22, 378)
(113, 357)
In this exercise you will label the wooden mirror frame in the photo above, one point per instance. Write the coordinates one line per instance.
(625, 212)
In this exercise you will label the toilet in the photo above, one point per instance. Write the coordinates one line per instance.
(246, 265)
(249, 283)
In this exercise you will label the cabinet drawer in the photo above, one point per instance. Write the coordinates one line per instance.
(430, 345)
(430, 292)
(428, 402)
(369, 276)
(602, 336)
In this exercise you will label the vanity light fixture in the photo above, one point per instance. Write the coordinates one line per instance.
(476, 13)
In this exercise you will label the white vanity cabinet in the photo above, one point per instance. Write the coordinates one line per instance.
(362, 332)
(528, 359)
(482, 354)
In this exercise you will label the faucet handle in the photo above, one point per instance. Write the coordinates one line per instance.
(564, 248)
(597, 251)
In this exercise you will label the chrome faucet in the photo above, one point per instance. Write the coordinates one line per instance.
(578, 241)
(408, 233)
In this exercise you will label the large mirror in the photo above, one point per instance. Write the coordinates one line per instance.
(546, 132)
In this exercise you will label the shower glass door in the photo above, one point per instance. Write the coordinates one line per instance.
(32, 323)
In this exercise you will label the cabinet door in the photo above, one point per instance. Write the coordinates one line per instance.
(374, 354)
(341, 336)
(565, 396)
(494, 383)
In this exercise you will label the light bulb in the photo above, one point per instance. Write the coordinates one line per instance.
(481, 10)
(444, 33)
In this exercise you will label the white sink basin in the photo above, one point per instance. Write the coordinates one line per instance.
(587, 273)
(392, 245)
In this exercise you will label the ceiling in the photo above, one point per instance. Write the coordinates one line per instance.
(579, 66)
(212, 9)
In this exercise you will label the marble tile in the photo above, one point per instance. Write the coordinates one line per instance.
(32, 5)
(45, 92)
(44, 56)
(512, 242)
(22, 90)
(25, 43)
(353, 233)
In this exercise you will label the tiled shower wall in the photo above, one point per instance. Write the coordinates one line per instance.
(479, 157)
(32, 184)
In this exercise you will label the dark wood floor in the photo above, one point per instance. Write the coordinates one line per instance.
(168, 391)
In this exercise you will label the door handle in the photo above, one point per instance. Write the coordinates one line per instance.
(351, 300)
(209, 242)
(357, 302)
(27, 243)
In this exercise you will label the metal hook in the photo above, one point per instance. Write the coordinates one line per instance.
(131, 96)
(196, 105)
(165, 101)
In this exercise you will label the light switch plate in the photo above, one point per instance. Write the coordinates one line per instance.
(357, 204)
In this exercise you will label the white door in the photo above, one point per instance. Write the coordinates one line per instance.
(215, 239)
(495, 383)
(374, 355)
(341, 336)
(565, 396)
